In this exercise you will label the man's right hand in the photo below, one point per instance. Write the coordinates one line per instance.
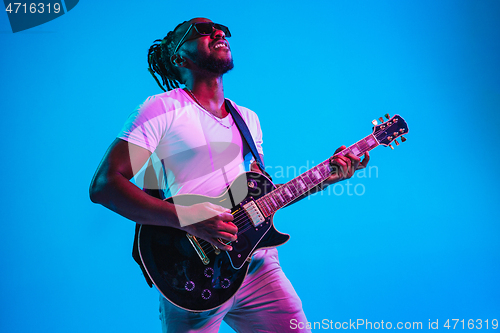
(111, 187)
(209, 222)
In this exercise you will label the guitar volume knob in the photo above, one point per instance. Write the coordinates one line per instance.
(205, 294)
(225, 283)
(252, 183)
(189, 286)
(209, 272)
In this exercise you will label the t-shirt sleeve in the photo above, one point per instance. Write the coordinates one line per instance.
(146, 125)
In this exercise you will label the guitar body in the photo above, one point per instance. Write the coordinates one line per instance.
(200, 283)
(194, 275)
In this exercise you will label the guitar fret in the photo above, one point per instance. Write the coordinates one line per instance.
(269, 209)
(316, 180)
(363, 145)
(355, 150)
(271, 202)
(317, 176)
(263, 206)
(296, 187)
(283, 197)
(276, 199)
(307, 179)
(280, 198)
(302, 184)
(292, 189)
(266, 198)
(359, 148)
(271, 197)
(268, 204)
(370, 140)
(285, 194)
(324, 169)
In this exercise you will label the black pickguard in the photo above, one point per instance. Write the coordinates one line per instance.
(177, 270)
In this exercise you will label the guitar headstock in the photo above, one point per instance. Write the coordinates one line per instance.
(390, 130)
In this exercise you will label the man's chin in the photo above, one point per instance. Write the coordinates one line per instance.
(219, 66)
(216, 65)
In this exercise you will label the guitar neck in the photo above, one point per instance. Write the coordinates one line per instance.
(308, 180)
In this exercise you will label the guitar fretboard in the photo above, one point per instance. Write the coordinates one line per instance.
(308, 180)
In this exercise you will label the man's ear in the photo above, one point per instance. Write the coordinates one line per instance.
(177, 60)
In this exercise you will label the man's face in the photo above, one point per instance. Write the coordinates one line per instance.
(211, 53)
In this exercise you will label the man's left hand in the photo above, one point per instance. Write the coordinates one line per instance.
(344, 167)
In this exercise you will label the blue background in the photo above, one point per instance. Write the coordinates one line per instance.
(420, 243)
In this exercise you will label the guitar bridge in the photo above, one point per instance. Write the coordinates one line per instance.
(216, 249)
(198, 249)
(253, 212)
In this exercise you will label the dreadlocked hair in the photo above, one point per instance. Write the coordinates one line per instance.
(159, 62)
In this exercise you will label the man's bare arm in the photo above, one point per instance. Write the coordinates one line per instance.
(111, 187)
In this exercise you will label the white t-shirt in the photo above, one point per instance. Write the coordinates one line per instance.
(192, 151)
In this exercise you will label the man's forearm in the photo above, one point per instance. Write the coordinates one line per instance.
(121, 196)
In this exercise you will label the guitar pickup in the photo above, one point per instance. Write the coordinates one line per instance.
(199, 250)
(253, 212)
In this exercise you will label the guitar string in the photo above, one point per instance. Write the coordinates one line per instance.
(208, 246)
(241, 223)
(240, 218)
(293, 187)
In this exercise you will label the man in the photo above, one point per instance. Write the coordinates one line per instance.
(191, 134)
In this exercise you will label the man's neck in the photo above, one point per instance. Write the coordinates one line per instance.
(209, 92)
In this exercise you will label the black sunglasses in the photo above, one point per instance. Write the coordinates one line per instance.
(203, 29)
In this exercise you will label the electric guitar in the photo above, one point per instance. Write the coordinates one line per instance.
(197, 276)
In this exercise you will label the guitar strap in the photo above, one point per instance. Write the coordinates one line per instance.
(245, 134)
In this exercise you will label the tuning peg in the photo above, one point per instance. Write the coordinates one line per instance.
(387, 116)
(381, 119)
(374, 122)
(391, 146)
(403, 139)
(396, 142)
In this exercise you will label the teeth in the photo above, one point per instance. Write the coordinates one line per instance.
(219, 45)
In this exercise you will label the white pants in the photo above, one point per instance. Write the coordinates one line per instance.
(266, 302)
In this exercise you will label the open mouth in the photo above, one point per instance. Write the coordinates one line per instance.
(221, 44)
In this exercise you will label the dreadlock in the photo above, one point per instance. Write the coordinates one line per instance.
(159, 61)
